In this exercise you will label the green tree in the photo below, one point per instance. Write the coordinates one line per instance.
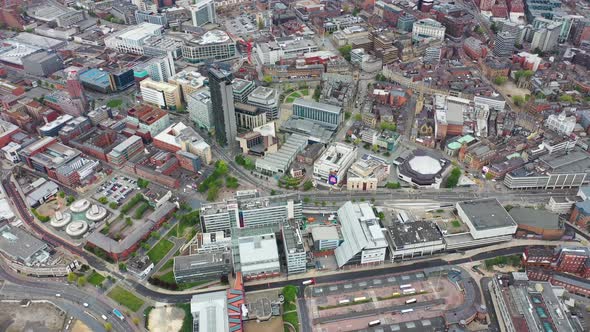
(518, 100)
(273, 192)
(260, 24)
(566, 98)
(61, 194)
(103, 200)
(155, 235)
(499, 80)
(113, 205)
(70, 199)
(72, 277)
(267, 79)
(306, 200)
(108, 326)
(307, 185)
(128, 221)
(347, 115)
(345, 51)
(290, 293)
(135, 321)
(489, 176)
(122, 267)
(393, 185)
(82, 281)
(358, 117)
(453, 179)
(213, 193)
(317, 93)
(142, 183)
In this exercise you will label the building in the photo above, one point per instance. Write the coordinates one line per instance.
(561, 123)
(295, 254)
(537, 223)
(266, 100)
(7, 129)
(42, 63)
(150, 17)
(179, 137)
(145, 117)
(189, 80)
(563, 169)
(222, 103)
(161, 94)
(211, 312)
(124, 151)
(22, 247)
(422, 169)
(133, 39)
(474, 48)
(285, 48)
(581, 214)
(200, 267)
(414, 239)
(504, 44)
(200, 108)
(98, 80)
(332, 165)
(546, 38)
(211, 242)
(367, 173)
(279, 162)
(203, 12)
(248, 213)
(160, 69)
(325, 237)
(140, 266)
(259, 256)
(124, 12)
(248, 116)
(326, 115)
(41, 194)
(241, 89)
(428, 28)
(214, 45)
(363, 239)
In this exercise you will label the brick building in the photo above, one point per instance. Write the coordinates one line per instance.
(581, 214)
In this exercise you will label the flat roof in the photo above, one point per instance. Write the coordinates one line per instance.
(258, 249)
(409, 233)
(486, 213)
(17, 243)
(317, 105)
(182, 263)
(96, 76)
(209, 311)
(325, 233)
(140, 31)
(536, 217)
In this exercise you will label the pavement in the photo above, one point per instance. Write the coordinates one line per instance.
(485, 287)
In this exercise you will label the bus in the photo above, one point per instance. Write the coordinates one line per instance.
(409, 291)
(118, 314)
(410, 301)
(308, 282)
(358, 299)
(343, 301)
(405, 286)
(374, 323)
(405, 311)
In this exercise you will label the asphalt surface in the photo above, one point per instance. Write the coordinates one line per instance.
(493, 325)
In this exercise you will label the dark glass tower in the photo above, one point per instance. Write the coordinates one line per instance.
(222, 103)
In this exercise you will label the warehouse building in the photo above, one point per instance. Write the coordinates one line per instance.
(414, 239)
(21, 246)
(538, 223)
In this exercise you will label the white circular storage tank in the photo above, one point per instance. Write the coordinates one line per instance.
(80, 206)
(77, 228)
(60, 220)
(96, 213)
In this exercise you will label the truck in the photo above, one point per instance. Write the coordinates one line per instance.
(118, 314)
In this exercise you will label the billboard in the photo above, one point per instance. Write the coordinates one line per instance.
(333, 179)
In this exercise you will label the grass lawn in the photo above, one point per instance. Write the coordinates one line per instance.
(305, 92)
(292, 318)
(168, 265)
(113, 103)
(96, 278)
(456, 223)
(296, 95)
(290, 100)
(160, 250)
(187, 323)
(125, 298)
(187, 285)
(168, 277)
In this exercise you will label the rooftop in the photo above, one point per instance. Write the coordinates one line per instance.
(536, 217)
(209, 312)
(17, 243)
(317, 105)
(412, 233)
(261, 248)
(188, 262)
(486, 214)
(139, 32)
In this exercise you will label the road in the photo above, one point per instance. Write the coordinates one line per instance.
(20, 288)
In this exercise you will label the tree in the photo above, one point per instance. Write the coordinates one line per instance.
(317, 92)
(212, 193)
(453, 179)
(499, 80)
(393, 185)
(113, 205)
(122, 267)
(108, 326)
(566, 98)
(479, 30)
(306, 200)
(358, 117)
(345, 51)
(82, 281)
(103, 200)
(347, 115)
(155, 235)
(135, 320)
(142, 183)
(70, 199)
(72, 277)
(307, 185)
(494, 27)
(61, 194)
(489, 176)
(128, 221)
(380, 77)
(267, 79)
(260, 24)
(273, 192)
(387, 126)
(518, 100)
(375, 147)
(290, 293)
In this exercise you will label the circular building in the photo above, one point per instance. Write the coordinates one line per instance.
(77, 228)
(423, 169)
(60, 220)
(96, 213)
(80, 206)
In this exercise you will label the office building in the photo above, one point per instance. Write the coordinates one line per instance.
(269, 53)
(241, 89)
(150, 119)
(121, 153)
(363, 239)
(326, 115)
(210, 312)
(561, 123)
(200, 108)
(333, 164)
(189, 80)
(203, 12)
(428, 28)
(161, 94)
(42, 193)
(367, 173)
(538, 223)
(326, 237)
(259, 256)
(248, 116)
(149, 17)
(546, 39)
(265, 99)
(222, 102)
(133, 38)
(160, 69)
(414, 239)
(294, 249)
(179, 137)
(214, 45)
(248, 213)
(200, 267)
(504, 44)
(280, 161)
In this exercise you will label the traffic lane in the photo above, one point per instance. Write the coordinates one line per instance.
(73, 295)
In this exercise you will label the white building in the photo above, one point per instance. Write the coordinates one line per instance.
(210, 312)
(212, 242)
(259, 255)
(160, 69)
(133, 38)
(266, 99)
(332, 165)
(283, 48)
(495, 101)
(295, 253)
(561, 123)
(10, 152)
(428, 28)
(200, 108)
(186, 139)
(364, 241)
(203, 12)
(325, 237)
(213, 45)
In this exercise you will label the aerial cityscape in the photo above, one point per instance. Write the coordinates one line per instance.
(295, 165)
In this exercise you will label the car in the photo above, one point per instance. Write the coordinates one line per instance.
(58, 295)
(85, 305)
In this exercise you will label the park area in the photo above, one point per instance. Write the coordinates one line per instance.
(160, 250)
(297, 94)
(126, 298)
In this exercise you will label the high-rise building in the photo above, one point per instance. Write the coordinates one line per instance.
(203, 12)
(160, 69)
(504, 44)
(199, 108)
(222, 102)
